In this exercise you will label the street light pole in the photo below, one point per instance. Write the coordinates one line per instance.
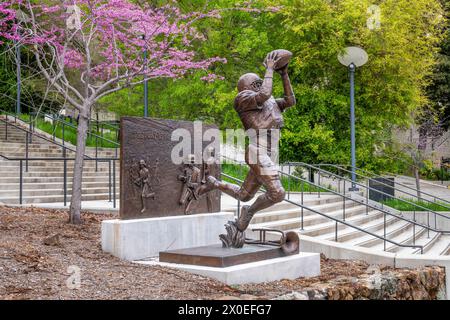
(352, 69)
(353, 57)
(145, 81)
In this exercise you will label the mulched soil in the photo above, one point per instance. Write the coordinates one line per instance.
(37, 246)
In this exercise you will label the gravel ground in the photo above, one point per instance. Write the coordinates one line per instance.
(37, 246)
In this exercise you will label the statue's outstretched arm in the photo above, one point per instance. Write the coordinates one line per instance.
(266, 88)
(289, 97)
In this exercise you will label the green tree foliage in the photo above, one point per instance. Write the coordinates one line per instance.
(34, 96)
(7, 81)
(439, 88)
(243, 38)
(389, 89)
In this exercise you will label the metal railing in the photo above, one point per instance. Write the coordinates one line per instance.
(364, 203)
(24, 161)
(29, 133)
(111, 174)
(343, 221)
(28, 138)
(370, 175)
(368, 189)
(64, 124)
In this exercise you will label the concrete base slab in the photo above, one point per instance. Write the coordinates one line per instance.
(143, 238)
(304, 264)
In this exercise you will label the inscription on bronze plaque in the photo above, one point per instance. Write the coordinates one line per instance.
(152, 184)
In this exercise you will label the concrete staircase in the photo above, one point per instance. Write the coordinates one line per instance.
(44, 180)
(287, 217)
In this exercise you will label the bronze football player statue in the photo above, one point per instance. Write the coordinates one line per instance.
(261, 114)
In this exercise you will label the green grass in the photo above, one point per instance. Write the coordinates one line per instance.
(70, 133)
(403, 206)
(240, 172)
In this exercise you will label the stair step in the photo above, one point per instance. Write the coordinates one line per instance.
(56, 198)
(308, 219)
(440, 246)
(55, 191)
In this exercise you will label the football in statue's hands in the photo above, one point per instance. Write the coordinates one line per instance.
(282, 58)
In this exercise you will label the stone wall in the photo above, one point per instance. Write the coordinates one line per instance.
(427, 283)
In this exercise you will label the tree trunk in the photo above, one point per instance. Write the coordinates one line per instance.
(75, 202)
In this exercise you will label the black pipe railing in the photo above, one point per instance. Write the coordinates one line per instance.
(111, 164)
(444, 203)
(63, 126)
(368, 188)
(30, 133)
(99, 125)
(366, 203)
(339, 221)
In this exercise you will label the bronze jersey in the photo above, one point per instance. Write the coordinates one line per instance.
(268, 115)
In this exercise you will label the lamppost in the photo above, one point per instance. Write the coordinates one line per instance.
(145, 80)
(353, 57)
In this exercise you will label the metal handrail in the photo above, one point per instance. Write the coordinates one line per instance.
(52, 117)
(111, 174)
(378, 191)
(369, 188)
(345, 179)
(38, 135)
(56, 111)
(338, 220)
(368, 205)
(65, 123)
(340, 167)
(55, 158)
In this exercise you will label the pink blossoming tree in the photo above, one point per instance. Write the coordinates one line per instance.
(100, 43)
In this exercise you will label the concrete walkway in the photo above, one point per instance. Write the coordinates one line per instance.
(433, 188)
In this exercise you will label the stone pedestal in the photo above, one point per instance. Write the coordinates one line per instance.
(304, 264)
(144, 238)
